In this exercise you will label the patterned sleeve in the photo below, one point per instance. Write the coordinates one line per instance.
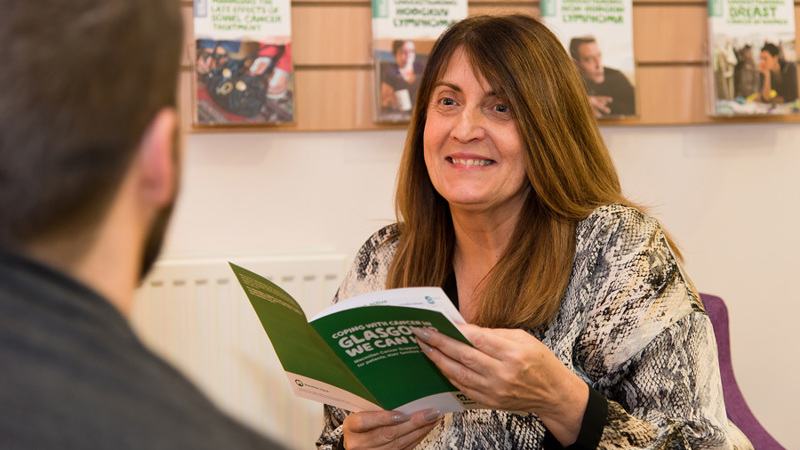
(367, 274)
(648, 345)
(331, 437)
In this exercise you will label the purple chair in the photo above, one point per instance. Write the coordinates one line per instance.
(735, 405)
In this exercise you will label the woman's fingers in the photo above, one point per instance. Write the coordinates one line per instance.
(387, 429)
(453, 349)
(369, 420)
(504, 369)
(426, 420)
(468, 368)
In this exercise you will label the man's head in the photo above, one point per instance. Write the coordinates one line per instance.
(82, 82)
(587, 56)
(404, 53)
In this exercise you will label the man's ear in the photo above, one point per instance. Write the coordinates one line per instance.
(157, 161)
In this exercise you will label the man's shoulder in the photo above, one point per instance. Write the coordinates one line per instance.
(78, 377)
(614, 76)
(94, 390)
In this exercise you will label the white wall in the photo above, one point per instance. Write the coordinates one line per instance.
(729, 194)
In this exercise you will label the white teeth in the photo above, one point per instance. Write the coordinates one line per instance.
(472, 162)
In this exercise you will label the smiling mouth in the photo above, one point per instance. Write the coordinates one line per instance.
(469, 162)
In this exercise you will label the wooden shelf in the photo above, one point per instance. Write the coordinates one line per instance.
(331, 50)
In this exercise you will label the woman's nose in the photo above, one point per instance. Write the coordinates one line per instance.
(469, 126)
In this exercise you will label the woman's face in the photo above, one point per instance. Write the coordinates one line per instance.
(768, 62)
(473, 150)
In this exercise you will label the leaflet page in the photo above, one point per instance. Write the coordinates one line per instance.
(377, 344)
(432, 298)
(301, 351)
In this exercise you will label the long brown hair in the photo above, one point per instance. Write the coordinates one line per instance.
(567, 164)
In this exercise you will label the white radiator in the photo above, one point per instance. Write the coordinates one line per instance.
(194, 314)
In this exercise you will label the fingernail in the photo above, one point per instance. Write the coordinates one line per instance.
(430, 416)
(422, 334)
(425, 347)
(400, 418)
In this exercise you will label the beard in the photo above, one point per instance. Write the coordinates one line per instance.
(155, 239)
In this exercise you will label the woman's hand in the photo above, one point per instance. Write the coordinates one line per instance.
(764, 66)
(511, 370)
(387, 429)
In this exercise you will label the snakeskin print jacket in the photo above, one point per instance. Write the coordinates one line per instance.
(631, 325)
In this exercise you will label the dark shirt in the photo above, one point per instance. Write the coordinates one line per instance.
(786, 87)
(616, 86)
(76, 377)
(391, 76)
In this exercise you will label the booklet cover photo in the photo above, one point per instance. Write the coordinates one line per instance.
(598, 34)
(752, 58)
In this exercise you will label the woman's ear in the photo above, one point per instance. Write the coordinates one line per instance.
(157, 160)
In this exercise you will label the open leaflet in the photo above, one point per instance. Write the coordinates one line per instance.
(360, 354)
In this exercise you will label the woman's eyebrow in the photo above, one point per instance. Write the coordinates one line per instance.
(458, 89)
(449, 85)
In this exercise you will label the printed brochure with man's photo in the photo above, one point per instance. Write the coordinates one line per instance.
(360, 354)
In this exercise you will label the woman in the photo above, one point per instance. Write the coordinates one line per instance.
(778, 78)
(585, 330)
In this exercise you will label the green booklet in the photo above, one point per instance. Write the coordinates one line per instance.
(360, 353)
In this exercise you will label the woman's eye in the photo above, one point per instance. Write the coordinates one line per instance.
(447, 101)
(501, 108)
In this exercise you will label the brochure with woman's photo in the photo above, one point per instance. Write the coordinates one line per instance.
(598, 34)
(243, 63)
(752, 69)
(403, 34)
